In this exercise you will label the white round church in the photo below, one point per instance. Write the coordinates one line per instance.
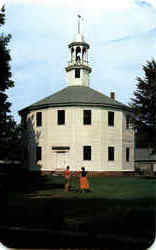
(79, 126)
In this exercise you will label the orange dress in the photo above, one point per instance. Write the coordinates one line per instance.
(84, 182)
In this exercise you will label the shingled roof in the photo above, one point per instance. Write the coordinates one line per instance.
(76, 96)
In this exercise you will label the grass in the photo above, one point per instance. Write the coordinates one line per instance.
(120, 207)
(110, 188)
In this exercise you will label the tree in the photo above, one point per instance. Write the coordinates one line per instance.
(7, 124)
(144, 106)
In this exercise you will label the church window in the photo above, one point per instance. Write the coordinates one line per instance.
(127, 154)
(111, 153)
(84, 54)
(77, 73)
(72, 53)
(87, 153)
(38, 153)
(87, 117)
(110, 118)
(61, 117)
(39, 119)
(78, 54)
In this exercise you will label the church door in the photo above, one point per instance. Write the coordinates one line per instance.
(60, 164)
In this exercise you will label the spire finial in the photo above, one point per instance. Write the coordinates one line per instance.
(79, 17)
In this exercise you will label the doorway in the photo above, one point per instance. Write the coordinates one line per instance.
(60, 160)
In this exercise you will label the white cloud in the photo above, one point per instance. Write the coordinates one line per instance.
(111, 4)
(105, 4)
(152, 2)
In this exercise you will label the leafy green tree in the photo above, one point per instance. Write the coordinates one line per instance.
(7, 124)
(144, 107)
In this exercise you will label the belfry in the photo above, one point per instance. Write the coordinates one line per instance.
(78, 69)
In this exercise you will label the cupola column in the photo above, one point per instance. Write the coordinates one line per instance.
(78, 69)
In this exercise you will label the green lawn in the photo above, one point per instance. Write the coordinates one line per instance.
(121, 207)
(122, 188)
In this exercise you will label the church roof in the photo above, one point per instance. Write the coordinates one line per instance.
(76, 96)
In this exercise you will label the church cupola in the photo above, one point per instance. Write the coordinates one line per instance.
(78, 69)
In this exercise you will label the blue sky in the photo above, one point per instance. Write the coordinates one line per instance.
(121, 34)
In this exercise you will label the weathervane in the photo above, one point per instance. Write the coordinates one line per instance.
(79, 17)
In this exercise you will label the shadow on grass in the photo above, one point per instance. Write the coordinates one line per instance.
(25, 181)
(78, 223)
(73, 222)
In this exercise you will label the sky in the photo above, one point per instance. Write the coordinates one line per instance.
(121, 34)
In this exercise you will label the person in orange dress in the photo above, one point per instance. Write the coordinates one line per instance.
(67, 176)
(84, 185)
